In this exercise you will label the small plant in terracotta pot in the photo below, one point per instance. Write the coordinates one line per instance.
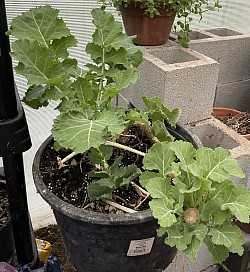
(237, 120)
(139, 187)
(153, 20)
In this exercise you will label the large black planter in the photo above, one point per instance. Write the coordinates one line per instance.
(99, 242)
(7, 246)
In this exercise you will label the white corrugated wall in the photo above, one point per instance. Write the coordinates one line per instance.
(234, 13)
(77, 14)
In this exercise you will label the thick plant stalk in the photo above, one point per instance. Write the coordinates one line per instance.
(61, 163)
(124, 147)
(118, 206)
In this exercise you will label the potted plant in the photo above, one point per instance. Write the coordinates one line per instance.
(152, 21)
(237, 120)
(114, 175)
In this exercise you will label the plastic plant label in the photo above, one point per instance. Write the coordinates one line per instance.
(140, 247)
(44, 249)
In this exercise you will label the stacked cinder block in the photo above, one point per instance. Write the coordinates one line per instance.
(231, 48)
(181, 78)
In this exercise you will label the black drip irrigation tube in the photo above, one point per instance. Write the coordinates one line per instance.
(14, 140)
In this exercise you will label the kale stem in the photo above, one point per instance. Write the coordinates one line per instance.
(100, 91)
(124, 147)
(68, 157)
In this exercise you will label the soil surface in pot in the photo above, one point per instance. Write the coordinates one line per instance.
(70, 182)
(4, 205)
(239, 122)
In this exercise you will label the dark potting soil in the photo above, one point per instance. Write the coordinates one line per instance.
(240, 122)
(4, 205)
(70, 182)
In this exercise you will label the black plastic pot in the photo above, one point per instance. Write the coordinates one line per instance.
(99, 242)
(7, 246)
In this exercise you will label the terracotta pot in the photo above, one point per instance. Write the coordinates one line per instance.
(149, 31)
(219, 112)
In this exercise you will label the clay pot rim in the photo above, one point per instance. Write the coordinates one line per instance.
(218, 111)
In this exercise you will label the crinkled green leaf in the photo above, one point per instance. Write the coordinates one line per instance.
(162, 209)
(137, 115)
(97, 190)
(178, 238)
(74, 130)
(218, 165)
(106, 27)
(212, 212)
(60, 91)
(159, 157)
(160, 132)
(135, 54)
(123, 175)
(111, 57)
(34, 97)
(195, 186)
(205, 184)
(237, 247)
(101, 154)
(113, 177)
(157, 111)
(158, 187)
(193, 249)
(222, 190)
(122, 80)
(114, 57)
(71, 68)
(219, 252)
(125, 41)
(67, 104)
(146, 176)
(238, 203)
(184, 151)
(60, 46)
(83, 90)
(226, 235)
(40, 24)
(200, 231)
(37, 63)
(95, 51)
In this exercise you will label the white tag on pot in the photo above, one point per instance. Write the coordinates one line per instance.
(140, 247)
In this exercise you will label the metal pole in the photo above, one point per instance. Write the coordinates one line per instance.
(15, 180)
(8, 105)
(14, 133)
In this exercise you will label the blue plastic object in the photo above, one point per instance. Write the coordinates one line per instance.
(53, 264)
(25, 268)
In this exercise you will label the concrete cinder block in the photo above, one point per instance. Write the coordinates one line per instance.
(235, 95)
(231, 49)
(227, 46)
(181, 262)
(181, 78)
